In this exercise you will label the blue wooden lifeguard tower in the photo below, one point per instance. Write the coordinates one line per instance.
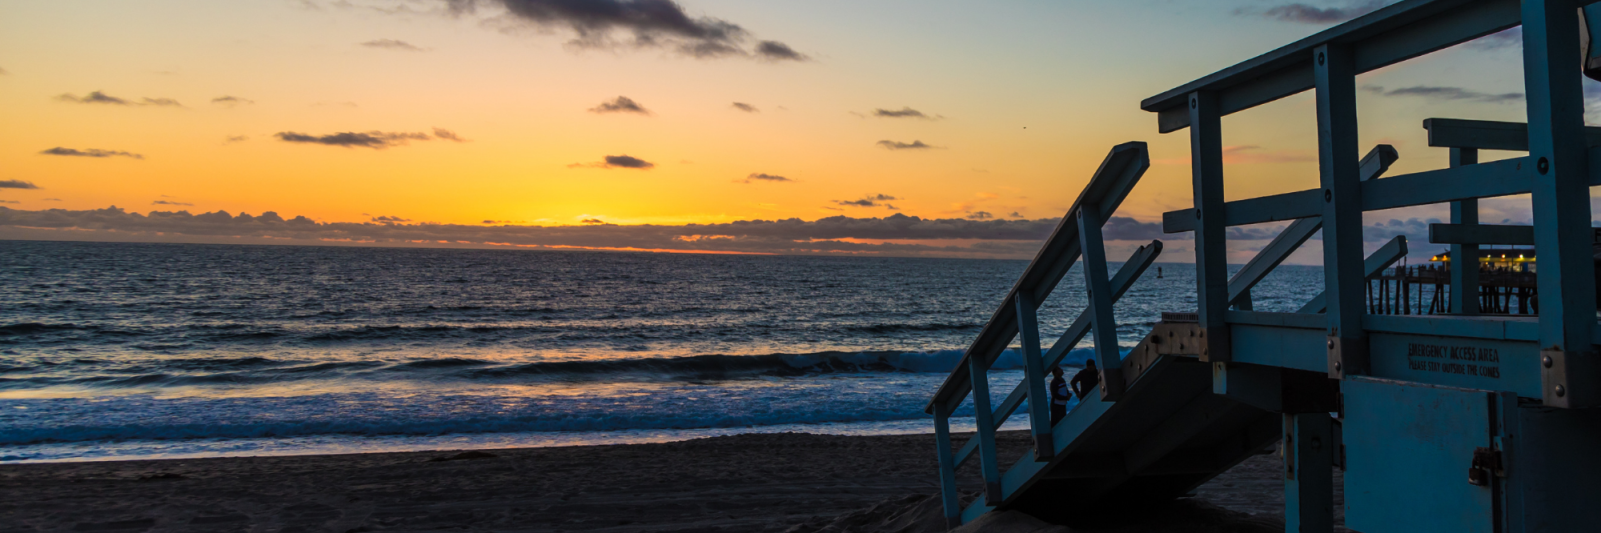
(1462, 421)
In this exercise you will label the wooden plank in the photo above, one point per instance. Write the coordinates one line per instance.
(1485, 180)
(1489, 134)
(1560, 202)
(1464, 295)
(1343, 195)
(1212, 295)
(1103, 324)
(989, 465)
(950, 498)
(1039, 401)
(1389, 35)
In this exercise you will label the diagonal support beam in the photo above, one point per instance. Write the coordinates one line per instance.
(1381, 259)
(1378, 160)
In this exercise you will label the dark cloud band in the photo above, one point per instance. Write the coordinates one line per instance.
(91, 152)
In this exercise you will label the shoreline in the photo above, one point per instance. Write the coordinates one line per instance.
(793, 482)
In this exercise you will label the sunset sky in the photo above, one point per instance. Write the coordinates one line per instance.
(495, 122)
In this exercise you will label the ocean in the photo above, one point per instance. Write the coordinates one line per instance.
(135, 351)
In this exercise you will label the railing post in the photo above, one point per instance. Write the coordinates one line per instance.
(1211, 250)
(1103, 323)
(1465, 257)
(1039, 400)
(1339, 172)
(1308, 473)
(1561, 203)
(949, 498)
(984, 418)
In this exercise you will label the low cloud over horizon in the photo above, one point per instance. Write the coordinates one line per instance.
(898, 234)
(996, 238)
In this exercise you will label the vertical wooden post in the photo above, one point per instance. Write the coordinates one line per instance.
(984, 418)
(1561, 202)
(1103, 324)
(1211, 252)
(1039, 399)
(1308, 473)
(1342, 208)
(1464, 257)
(949, 497)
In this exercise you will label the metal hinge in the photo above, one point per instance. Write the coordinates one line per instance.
(1486, 462)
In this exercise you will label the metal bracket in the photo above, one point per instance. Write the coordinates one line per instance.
(1347, 356)
(1567, 379)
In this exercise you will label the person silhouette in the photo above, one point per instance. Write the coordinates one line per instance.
(1086, 379)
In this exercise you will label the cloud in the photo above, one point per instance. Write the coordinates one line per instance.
(97, 97)
(19, 184)
(746, 107)
(390, 220)
(1310, 14)
(9, 202)
(52, 199)
(1015, 214)
(92, 152)
(905, 112)
(236, 139)
(621, 104)
(591, 221)
(639, 24)
(1447, 93)
(757, 176)
(448, 135)
(777, 51)
(869, 201)
(1130, 229)
(625, 161)
(377, 140)
(165, 202)
(911, 236)
(393, 44)
(980, 215)
(896, 145)
(617, 161)
(231, 101)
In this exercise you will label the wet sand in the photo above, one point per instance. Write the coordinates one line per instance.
(751, 483)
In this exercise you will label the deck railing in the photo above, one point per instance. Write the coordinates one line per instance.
(1077, 236)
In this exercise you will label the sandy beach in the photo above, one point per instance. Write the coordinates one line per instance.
(775, 482)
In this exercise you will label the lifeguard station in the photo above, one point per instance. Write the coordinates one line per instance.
(1457, 421)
